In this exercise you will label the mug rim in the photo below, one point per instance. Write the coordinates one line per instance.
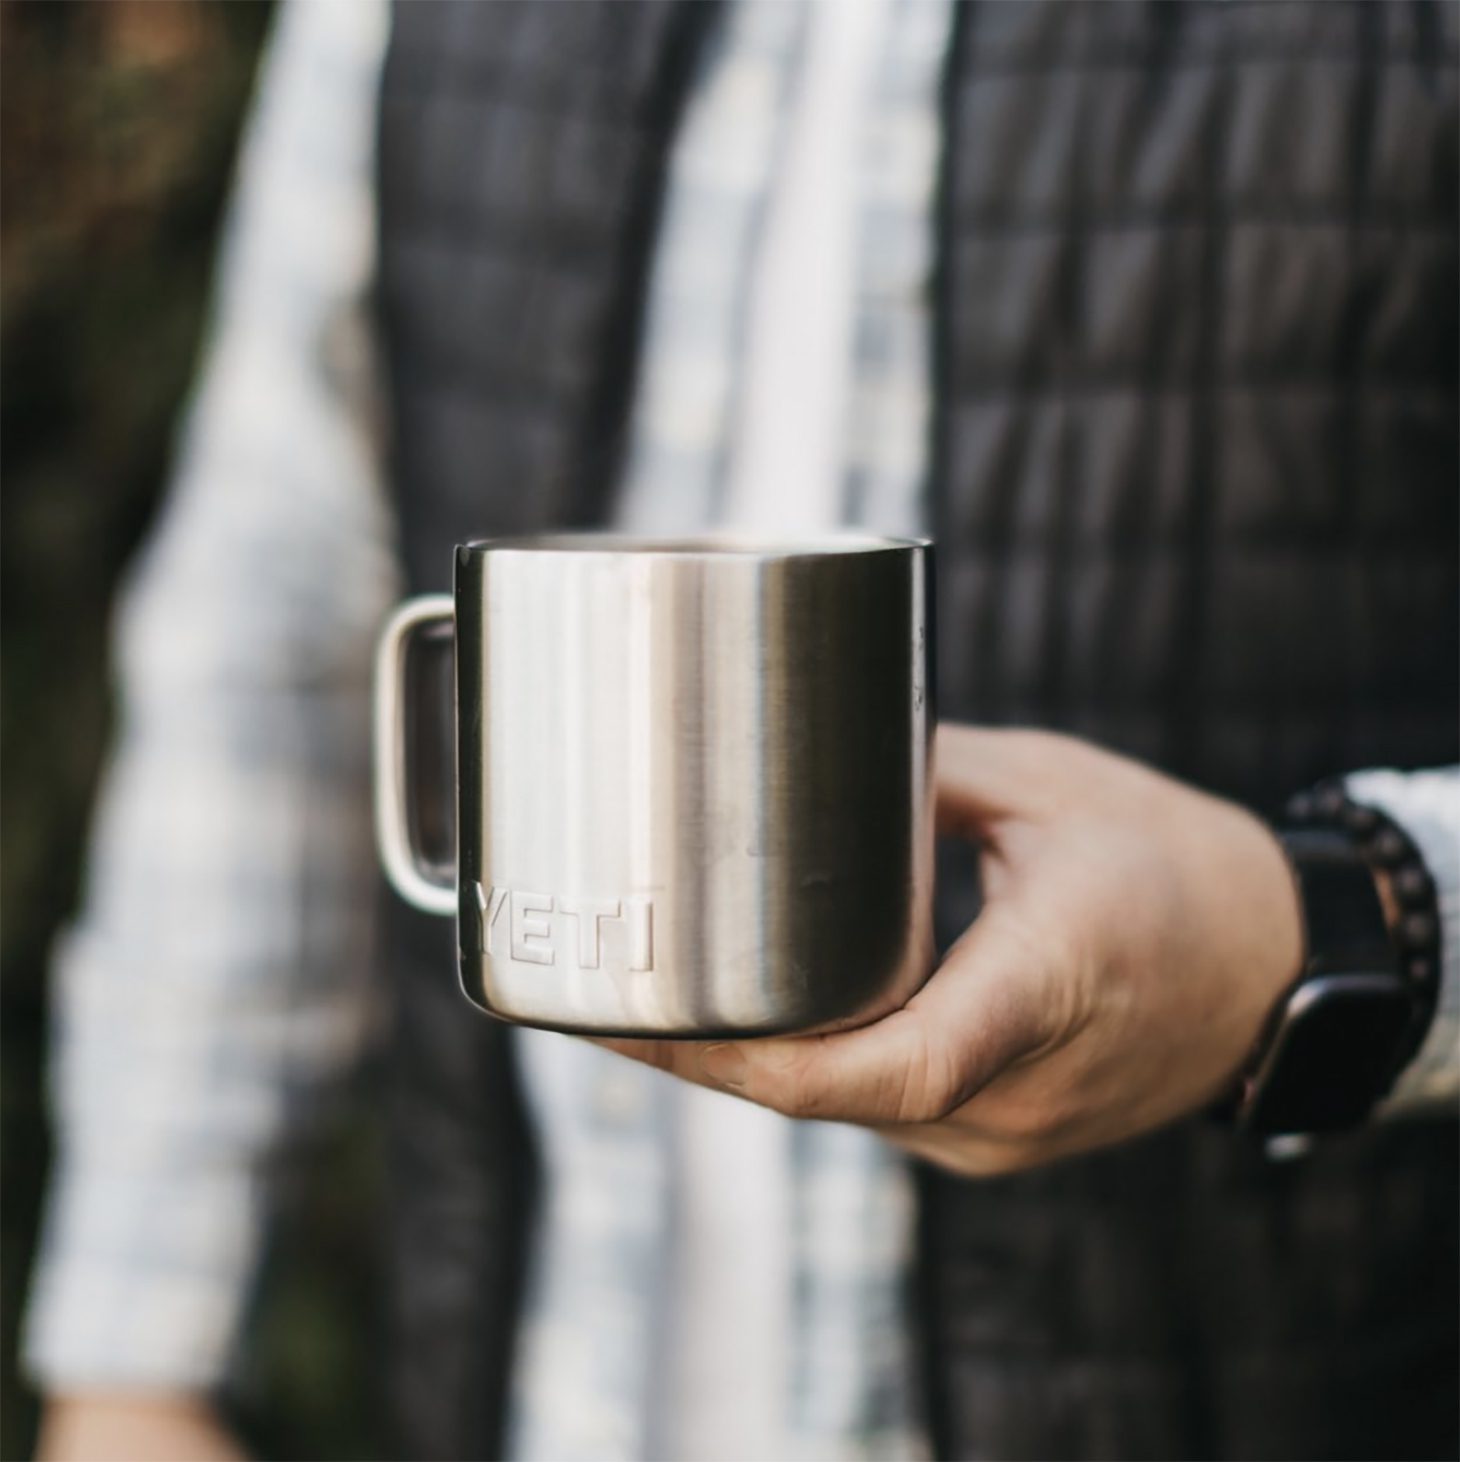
(730, 543)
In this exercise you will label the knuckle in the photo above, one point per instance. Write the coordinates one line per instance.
(798, 1090)
(926, 1098)
(932, 1087)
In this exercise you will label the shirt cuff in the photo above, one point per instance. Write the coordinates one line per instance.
(1427, 806)
(141, 1283)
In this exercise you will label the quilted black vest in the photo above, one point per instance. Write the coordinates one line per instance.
(1196, 463)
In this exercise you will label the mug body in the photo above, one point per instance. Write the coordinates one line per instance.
(694, 782)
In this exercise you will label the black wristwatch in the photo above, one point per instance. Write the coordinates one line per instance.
(1366, 993)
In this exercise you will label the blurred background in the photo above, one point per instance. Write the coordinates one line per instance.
(118, 125)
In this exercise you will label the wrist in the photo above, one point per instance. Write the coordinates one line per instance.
(1362, 998)
(1405, 890)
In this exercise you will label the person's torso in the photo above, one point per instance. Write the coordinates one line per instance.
(1195, 463)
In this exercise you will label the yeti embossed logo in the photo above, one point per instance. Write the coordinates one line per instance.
(542, 928)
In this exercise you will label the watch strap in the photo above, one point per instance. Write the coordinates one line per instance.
(1327, 1054)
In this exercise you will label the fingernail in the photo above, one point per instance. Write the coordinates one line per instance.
(724, 1065)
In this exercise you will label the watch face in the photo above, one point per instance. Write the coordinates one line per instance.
(1333, 1051)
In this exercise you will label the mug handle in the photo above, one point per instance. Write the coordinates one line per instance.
(410, 874)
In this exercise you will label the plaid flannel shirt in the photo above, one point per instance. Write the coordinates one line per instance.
(212, 995)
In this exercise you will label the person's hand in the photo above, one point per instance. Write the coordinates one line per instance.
(1135, 934)
(119, 1426)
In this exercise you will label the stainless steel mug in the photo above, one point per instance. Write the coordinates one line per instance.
(693, 780)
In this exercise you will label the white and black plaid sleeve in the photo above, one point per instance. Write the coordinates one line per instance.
(1427, 806)
(214, 987)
